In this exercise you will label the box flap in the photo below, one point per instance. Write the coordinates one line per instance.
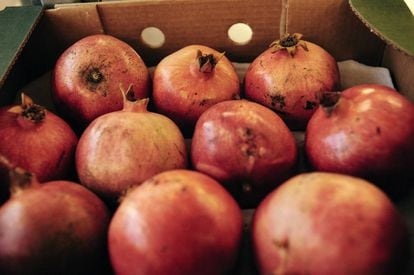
(16, 25)
(391, 20)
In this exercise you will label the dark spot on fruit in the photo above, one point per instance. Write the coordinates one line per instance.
(153, 181)
(203, 102)
(281, 244)
(378, 130)
(183, 188)
(310, 105)
(248, 147)
(278, 101)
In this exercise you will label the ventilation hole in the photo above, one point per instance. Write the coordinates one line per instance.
(240, 33)
(153, 37)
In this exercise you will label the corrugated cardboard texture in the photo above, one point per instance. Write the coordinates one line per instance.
(183, 22)
(391, 20)
(402, 68)
(328, 23)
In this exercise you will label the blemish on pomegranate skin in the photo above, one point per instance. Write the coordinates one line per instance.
(283, 244)
(203, 102)
(310, 105)
(249, 147)
(278, 101)
(378, 130)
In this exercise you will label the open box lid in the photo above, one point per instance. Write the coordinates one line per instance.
(391, 20)
(16, 26)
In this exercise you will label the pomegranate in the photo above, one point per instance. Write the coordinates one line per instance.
(291, 77)
(57, 227)
(190, 80)
(126, 147)
(326, 223)
(245, 146)
(87, 76)
(177, 222)
(37, 140)
(365, 131)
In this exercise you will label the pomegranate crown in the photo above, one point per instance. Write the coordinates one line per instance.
(29, 110)
(207, 62)
(290, 42)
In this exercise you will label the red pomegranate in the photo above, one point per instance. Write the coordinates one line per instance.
(245, 146)
(325, 223)
(190, 80)
(366, 131)
(124, 148)
(291, 77)
(56, 227)
(87, 76)
(179, 222)
(37, 140)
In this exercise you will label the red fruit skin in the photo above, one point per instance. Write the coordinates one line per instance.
(369, 134)
(57, 228)
(80, 100)
(292, 86)
(183, 93)
(47, 149)
(244, 145)
(178, 222)
(125, 148)
(325, 223)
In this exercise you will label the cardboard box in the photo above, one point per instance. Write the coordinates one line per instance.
(331, 24)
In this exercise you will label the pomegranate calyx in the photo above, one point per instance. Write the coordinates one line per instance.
(289, 42)
(131, 102)
(29, 110)
(329, 101)
(94, 76)
(207, 62)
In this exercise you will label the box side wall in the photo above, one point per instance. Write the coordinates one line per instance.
(331, 24)
(402, 68)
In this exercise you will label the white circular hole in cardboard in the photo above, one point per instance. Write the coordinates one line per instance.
(240, 33)
(153, 37)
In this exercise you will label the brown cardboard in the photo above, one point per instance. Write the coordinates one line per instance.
(332, 25)
(402, 68)
(183, 22)
(328, 23)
